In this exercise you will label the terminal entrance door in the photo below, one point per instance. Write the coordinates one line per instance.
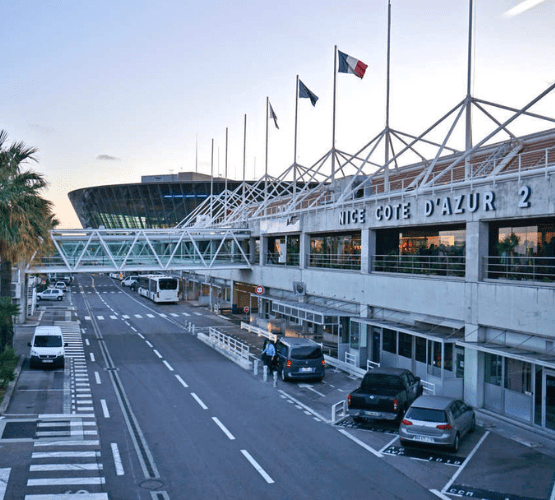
(549, 399)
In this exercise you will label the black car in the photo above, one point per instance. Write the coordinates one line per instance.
(299, 358)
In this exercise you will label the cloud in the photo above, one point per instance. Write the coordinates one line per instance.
(523, 7)
(107, 158)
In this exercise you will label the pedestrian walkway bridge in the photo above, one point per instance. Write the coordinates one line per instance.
(128, 250)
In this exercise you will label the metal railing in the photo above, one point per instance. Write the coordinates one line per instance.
(335, 261)
(259, 331)
(522, 268)
(228, 343)
(289, 259)
(437, 265)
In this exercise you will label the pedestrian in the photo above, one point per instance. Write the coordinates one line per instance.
(268, 355)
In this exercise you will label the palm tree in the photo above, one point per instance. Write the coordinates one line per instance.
(25, 217)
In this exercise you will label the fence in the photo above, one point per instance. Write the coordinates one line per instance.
(520, 267)
(229, 344)
(439, 265)
(259, 331)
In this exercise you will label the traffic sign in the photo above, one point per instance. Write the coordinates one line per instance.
(259, 290)
(246, 309)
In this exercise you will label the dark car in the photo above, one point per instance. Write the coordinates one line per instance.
(437, 420)
(299, 358)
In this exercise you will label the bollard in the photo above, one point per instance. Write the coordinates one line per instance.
(275, 379)
(256, 367)
(265, 373)
(193, 327)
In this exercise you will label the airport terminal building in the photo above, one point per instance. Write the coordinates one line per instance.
(445, 266)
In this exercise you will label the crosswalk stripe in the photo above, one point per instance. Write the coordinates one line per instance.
(66, 454)
(174, 315)
(138, 316)
(56, 467)
(185, 314)
(100, 317)
(69, 496)
(150, 315)
(55, 481)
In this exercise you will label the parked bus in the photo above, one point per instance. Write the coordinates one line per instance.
(159, 288)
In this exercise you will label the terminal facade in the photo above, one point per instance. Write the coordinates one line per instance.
(453, 278)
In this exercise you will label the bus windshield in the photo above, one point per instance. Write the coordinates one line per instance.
(168, 284)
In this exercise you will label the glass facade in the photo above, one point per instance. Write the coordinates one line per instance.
(149, 205)
(337, 251)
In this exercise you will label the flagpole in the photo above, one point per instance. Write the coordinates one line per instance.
(225, 199)
(211, 181)
(295, 148)
(333, 122)
(468, 143)
(386, 169)
(244, 159)
(196, 155)
(266, 168)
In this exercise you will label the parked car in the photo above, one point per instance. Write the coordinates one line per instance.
(130, 281)
(384, 394)
(47, 347)
(51, 294)
(437, 420)
(61, 285)
(116, 276)
(299, 358)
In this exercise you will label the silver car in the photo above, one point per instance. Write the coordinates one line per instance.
(437, 420)
(51, 294)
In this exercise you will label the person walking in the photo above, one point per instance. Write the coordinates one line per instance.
(268, 355)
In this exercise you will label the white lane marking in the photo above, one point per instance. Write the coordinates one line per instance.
(440, 495)
(360, 443)
(113, 317)
(185, 314)
(65, 481)
(181, 381)
(174, 315)
(53, 467)
(133, 328)
(150, 315)
(66, 454)
(100, 317)
(117, 459)
(92, 357)
(87, 318)
(291, 399)
(199, 401)
(149, 344)
(223, 428)
(389, 444)
(157, 354)
(309, 387)
(198, 314)
(259, 469)
(104, 408)
(97, 378)
(48, 442)
(87, 342)
(4, 477)
(69, 496)
(463, 465)
(138, 316)
(168, 366)
(141, 335)
(125, 316)
(162, 315)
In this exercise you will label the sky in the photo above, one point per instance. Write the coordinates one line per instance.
(111, 91)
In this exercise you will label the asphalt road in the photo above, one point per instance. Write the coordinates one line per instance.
(159, 415)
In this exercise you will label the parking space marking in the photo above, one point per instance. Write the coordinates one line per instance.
(105, 411)
(360, 443)
(117, 459)
(4, 477)
(461, 468)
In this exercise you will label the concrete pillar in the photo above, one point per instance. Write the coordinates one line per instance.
(263, 250)
(304, 250)
(368, 250)
(477, 239)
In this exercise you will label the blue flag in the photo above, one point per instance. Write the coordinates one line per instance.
(304, 92)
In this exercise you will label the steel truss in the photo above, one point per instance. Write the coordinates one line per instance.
(144, 250)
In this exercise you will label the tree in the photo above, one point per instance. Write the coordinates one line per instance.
(7, 311)
(25, 217)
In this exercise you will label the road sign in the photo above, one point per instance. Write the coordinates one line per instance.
(246, 309)
(259, 290)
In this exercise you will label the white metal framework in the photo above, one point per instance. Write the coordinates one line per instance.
(144, 250)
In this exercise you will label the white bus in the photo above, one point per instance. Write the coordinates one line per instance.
(159, 288)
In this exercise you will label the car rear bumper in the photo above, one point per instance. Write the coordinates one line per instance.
(371, 414)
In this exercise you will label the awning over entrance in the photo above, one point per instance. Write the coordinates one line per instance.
(428, 333)
(543, 359)
(319, 315)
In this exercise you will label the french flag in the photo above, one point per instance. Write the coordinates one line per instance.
(348, 64)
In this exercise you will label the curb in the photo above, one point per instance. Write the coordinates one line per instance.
(11, 386)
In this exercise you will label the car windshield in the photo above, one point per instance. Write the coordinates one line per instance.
(381, 380)
(427, 414)
(306, 352)
(48, 341)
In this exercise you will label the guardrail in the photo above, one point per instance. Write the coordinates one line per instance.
(429, 387)
(259, 331)
(351, 358)
(338, 411)
(370, 365)
(229, 343)
(346, 367)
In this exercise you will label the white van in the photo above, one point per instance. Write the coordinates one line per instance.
(47, 347)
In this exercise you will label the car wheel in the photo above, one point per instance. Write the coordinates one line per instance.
(39, 297)
(59, 298)
(472, 424)
(283, 376)
(455, 446)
